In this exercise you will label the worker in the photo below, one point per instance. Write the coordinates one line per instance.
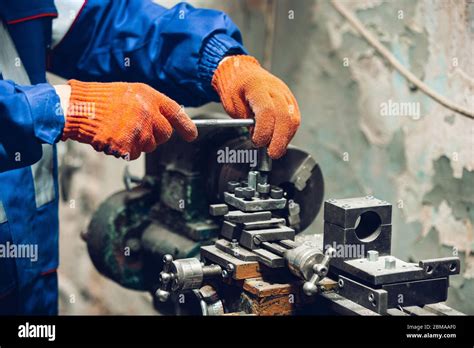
(132, 66)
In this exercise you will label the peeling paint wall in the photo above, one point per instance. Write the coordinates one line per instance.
(420, 159)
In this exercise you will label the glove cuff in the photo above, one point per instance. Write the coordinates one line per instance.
(87, 107)
(230, 69)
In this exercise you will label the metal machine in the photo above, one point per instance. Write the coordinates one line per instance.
(212, 229)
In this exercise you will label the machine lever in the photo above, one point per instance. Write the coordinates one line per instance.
(209, 123)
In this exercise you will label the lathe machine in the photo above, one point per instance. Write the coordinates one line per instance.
(213, 228)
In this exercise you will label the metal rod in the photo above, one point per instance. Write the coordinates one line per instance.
(264, 162)
(200, 123)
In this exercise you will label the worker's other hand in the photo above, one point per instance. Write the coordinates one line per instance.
(123, 119)
(249, 91)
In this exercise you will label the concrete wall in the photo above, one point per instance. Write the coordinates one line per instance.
(422, 162)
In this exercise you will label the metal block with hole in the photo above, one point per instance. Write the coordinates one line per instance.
(361, 211)
(350, 245)
(358, 223)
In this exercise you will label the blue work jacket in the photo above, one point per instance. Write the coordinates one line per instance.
(173, 50)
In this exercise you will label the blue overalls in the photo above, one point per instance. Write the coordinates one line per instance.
(174, 50)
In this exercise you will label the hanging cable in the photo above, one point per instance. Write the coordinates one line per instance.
(407, 74)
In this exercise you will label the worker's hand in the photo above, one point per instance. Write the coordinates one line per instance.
(249, 91)
(123, 119)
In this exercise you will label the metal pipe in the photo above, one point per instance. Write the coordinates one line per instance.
(206, 123)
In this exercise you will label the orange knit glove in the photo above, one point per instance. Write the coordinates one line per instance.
(123, 119)
(247, 90)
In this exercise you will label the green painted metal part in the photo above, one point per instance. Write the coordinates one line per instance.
(120, 218)
(142, 217)
(159, 240)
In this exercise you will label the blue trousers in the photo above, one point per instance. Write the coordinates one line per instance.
(39, 297)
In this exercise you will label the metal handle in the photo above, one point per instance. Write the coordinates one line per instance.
(320, 270)
(209, 123)
(163, 293)
(184, 274)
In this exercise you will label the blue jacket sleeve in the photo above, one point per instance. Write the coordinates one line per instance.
(175, 50)
(29, 117)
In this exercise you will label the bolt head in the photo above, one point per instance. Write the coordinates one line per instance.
(248, 192)
(239, 192)
(320, 270)
(263, 188)
(276, 193)
(310, 289)
(232, 185)
(257, 239)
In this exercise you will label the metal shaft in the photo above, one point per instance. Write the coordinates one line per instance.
(207, 123)
(264, 162)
